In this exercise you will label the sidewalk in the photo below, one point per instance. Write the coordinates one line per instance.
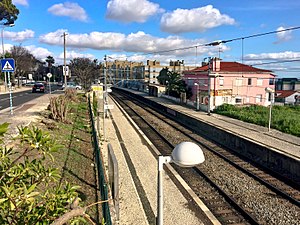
(15, 89)
(26, 113)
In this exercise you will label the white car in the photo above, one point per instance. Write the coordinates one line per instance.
(72, 85)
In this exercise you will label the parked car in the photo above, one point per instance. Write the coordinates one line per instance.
(30, 84)
(38, 87)
(72, 85)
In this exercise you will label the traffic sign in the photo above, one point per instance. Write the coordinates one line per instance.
(49, 75)
(8, 65)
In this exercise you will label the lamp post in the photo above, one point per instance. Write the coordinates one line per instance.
(197, 96)
(209, 82)
(271, 92)
(3, 52)
(167, 82)
(185, 154)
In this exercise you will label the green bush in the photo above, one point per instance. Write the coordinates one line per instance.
(30, 191)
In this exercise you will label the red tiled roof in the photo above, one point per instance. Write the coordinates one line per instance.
(284, 93)
(233, 67)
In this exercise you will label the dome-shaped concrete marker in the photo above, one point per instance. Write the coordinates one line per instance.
(185, 154)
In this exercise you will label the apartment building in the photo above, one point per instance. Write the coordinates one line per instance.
(119, 70)
(153, 68)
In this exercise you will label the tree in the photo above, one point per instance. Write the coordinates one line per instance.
(173, 81)
(50, 61)
(24, 61)
(8, 12)
(163, 77)
(85, 69)
(175, 84)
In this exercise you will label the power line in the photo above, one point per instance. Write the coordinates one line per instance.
(277, 62)
(216, 43)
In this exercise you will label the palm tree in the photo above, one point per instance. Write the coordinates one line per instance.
(50, 60)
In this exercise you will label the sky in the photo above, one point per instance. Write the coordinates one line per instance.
(264, 34)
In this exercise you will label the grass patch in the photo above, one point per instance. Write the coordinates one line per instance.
(284, 118)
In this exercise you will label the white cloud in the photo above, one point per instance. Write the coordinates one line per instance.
(7, 47)
(19, 36)
(282, 35)
(73, 54)
(287, 55)
(20, 2)
(131, 10)
(38, 52)
(194, 20)
(134, 42)
(42, 53)
(69, 9)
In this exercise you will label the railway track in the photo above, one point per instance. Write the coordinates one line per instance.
(228, 207)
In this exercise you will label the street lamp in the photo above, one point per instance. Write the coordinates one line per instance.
(197, 96)
(3, 53)
(185, 154)
(271, 92)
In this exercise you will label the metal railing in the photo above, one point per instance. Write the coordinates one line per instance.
(113, 175)
(101, 177)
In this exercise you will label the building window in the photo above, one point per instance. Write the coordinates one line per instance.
(271, 81)
(258, 98)
(239, 82)
(225, 99)
(259, 81)
(249, 81)
(190, 82)
(222, 82)
(238, 100)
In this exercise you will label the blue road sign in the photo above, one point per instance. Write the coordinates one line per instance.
(8, 65)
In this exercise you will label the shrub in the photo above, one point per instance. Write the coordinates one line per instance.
(30, 193)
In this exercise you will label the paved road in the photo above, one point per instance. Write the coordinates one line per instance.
(22, 96)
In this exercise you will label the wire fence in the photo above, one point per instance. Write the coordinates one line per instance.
(101, 177)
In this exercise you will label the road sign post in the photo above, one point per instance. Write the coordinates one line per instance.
(8, 65)
(49, 75)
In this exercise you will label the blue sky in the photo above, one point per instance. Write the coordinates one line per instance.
(136, 29)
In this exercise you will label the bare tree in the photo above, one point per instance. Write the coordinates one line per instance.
(85, 70)
(24, 61)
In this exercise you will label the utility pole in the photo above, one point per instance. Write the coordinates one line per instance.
(65, 66)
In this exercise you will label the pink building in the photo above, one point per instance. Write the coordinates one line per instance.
(229, 82)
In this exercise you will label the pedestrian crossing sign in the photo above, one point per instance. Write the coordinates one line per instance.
(8, 65)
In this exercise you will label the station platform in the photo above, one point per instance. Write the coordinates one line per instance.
(274, 139)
